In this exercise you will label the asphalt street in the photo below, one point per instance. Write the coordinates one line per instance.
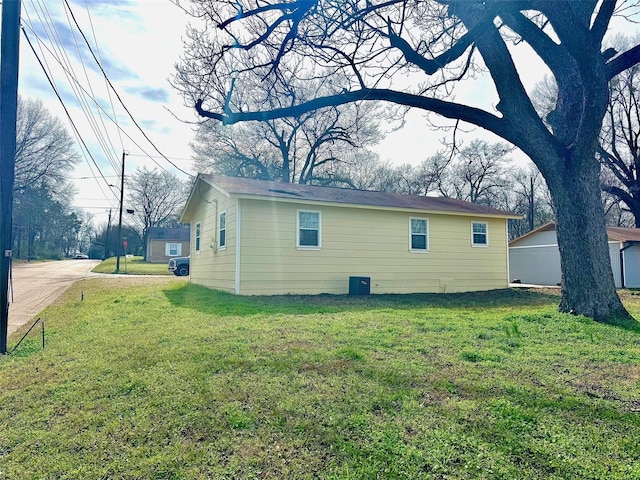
(36, 285)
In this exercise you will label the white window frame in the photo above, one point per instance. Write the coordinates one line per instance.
(167, 249)
(426, 235)
(486, 235)
(196, 237)
(309, 247)
(222, 230)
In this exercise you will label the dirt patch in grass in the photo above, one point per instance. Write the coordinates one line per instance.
(613, 382)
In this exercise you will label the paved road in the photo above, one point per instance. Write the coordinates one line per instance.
(36, 285)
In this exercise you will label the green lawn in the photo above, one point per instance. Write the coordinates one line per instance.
(132, 266)
(161, 379)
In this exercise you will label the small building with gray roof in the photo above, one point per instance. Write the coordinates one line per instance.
(534, 258)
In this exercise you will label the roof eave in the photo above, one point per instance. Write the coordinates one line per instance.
(200, 178)
(308, 201)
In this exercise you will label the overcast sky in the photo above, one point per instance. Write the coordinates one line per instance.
(138, 43)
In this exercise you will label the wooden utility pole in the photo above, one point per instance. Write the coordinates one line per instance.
(120, 216)
(9, 56)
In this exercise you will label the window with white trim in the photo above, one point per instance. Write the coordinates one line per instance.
(172, 249)
(222, 232)
(479, 234)
(309, 230)
(419, 234)
(197, 237)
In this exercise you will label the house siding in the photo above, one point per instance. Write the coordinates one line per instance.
(364, 242)
(632, 266)
(156, 250)
(213, 267)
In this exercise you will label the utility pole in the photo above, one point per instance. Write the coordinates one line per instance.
(106, 243)
(9, 56)
(120, 216)
(531, 207)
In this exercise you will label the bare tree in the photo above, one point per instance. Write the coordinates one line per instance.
(308, 148)
(477, 174)
(619, 149)
(375, 46)
(44, 149)
(157, 198)
(235, 151)
(431, 174)
(526, 194)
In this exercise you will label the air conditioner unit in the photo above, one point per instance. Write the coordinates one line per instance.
(359, 285)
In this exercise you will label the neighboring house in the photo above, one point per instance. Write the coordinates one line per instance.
(166, 243)
(534, 258)
(254, 237)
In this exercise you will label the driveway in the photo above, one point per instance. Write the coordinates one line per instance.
(38, 284)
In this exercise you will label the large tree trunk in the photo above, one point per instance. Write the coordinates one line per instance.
(588, 286)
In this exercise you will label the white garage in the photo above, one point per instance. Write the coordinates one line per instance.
(534, 258)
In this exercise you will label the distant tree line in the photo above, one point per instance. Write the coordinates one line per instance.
(44, 224)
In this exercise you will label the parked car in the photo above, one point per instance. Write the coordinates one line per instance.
(80, 256)
(179, 266)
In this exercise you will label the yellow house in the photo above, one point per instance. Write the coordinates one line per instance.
(254, 237)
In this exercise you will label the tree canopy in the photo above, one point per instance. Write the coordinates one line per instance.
(415, 54)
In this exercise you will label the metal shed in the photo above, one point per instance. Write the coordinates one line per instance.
(534, 258)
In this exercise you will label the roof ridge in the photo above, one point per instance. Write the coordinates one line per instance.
(341, 195)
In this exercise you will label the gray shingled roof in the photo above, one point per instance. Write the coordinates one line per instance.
(292, 191)
(620, 234)
(160, 233)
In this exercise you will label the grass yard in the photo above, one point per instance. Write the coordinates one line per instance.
(162, 379)
(132, 266)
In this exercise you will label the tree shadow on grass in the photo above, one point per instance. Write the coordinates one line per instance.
(623, 321)
(215, 302)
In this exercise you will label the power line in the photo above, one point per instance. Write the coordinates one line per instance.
(97, 104)
(113, 110)
(60, 55)
(91, 178)
(55, 90)
(118, 96)
(65, 63)
(158, 156)
(75, 84)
